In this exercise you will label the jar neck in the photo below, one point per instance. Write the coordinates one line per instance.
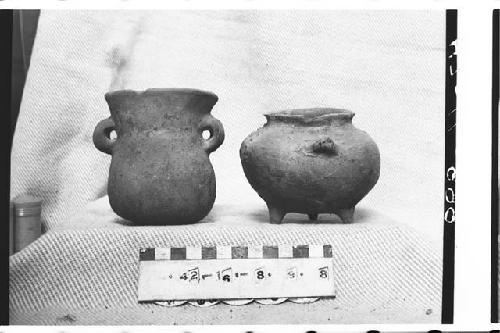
(159, 108)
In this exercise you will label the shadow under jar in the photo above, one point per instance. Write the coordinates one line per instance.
(310, 161)
(160, 173)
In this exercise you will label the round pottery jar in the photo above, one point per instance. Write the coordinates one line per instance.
(310, 161)
(160, 173)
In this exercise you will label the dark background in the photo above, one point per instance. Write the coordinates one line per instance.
(24, 26)
(495, 283)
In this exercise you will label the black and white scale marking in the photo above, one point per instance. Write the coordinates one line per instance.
(237, 252)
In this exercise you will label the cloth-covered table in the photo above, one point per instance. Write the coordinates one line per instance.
(384, 272)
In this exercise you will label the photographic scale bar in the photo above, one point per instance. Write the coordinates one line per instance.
(205, 276)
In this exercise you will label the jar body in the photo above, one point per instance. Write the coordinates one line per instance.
(310, 168)
(158, 179)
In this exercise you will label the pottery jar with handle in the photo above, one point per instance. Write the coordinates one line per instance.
(160, 173)
(310, 161)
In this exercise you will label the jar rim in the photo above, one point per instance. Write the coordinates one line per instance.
(311, 114)
(153, 91)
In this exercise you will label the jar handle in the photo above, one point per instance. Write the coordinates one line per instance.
(214, 126)
(325, 146)
(101, 138)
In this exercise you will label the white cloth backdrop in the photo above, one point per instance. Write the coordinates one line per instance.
(387, 67)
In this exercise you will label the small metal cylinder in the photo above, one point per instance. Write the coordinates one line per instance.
(27, 222)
